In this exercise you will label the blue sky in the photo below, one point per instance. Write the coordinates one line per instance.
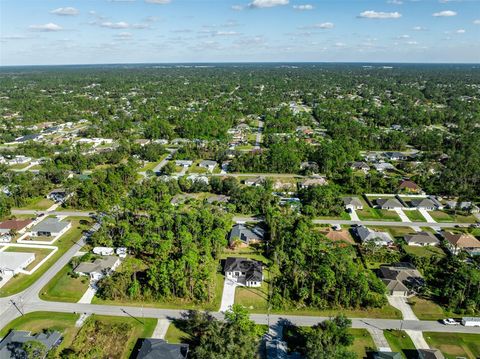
(124, 31)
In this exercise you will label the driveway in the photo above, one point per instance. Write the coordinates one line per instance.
(161, 329)
(354, 215)
(89, 294)
(429, 218)
(417, 339)
(379, 339)
(404, 218)
(228, 295)
(401, 304)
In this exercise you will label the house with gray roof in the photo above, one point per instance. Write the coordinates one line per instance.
(99, 268)
(160, 349)
(11, 347)
(422, 239)
(209, 165)
(248, 272)
(245, 235)
(50, 227)
(352, 203)
(401, 278)
(423, 203)
(383, 166)
(388, 203)
(369, 235)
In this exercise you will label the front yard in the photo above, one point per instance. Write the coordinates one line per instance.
(375, 214)
(399, 341)
(454, 345)
(64, 287)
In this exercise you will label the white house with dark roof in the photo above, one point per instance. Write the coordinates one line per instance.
(422, 239)
(99, 268)
(245, 271)
(50, 227)
(352, 203)
(424, 203)
(388, 203)
(209, 165)
(369, 235)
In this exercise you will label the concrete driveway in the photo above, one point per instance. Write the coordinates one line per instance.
(405, 218)
(401, 304)
(228, 295)
(354, 215)
(417, 339)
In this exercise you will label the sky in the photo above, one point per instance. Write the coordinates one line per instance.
(47, 32)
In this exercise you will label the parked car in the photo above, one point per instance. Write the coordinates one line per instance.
(450, 321)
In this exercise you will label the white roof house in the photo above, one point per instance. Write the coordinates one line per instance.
(369, 235)
(12, 263)
(103, 251)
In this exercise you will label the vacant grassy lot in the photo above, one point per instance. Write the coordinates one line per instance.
(149, 166)
(415, 216)
(38, 321)
(375, 214)
(441, 216)
(40, 254)
(38, 204)
(174, 303)
(175, 335)
(21, 281)
(400, 342)
(65, 288)
(362, 342)
(426, 309)
(454, 345)
(110, 337)
(424, 251)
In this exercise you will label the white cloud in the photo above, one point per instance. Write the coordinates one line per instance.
(340, 44)
(419, 28)
(65, 11)
(324, 25)
(304, 7)
(115, 25)
(371, 14)
(267, 3)
(13, 37)
(412, 43)
(124, 35)
(476, 22)
(50, 27)
(460, 31)
(160, 2)
(238, 7)
(395, 2)
(446, 13)
(226, 33)
(403, 37)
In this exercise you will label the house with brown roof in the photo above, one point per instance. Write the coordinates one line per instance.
(457, 242)
(15, 225)
(409, 186)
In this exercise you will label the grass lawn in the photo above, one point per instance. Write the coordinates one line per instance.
(174, 303)
(254, 299)
(38, 321)
(400, 342)
(64, 288)
(149, 166)
(175, 335)
(362, 342)
(111, 337)
(454, 345)
(343, 215)
(246, 252)
(40, 254)
(375, 214)
(426, 309)
(38, 204)
(424, 251)
(415, 216)
(394, 231)
(441, 216)
(19, 166)
(22, 281)
(385, 312)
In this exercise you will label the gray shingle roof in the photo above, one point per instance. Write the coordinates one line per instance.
(159, 349)
(52, 225)
(11, 345)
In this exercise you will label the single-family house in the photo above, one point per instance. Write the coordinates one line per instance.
(245, 271)
(423, 203)
(401, 278)
(388, 203)
(183, 163)
(352, 203)
(422, 239)
(12, 263)
(99, 268)
(314, 181)
(12, 346)
(369, 235)
(218, 199)
(50, 227)
(32, 137)
(387, 355)
(160, 349)
(396, 156)
(457, 242)
(243, 235)
(463, 206)
(103, 251)
(14, 225)
(409, 186)
(383, 166)
(209, 165)
(360, 166)
(121, 252)
(58, 195)
(255, 182)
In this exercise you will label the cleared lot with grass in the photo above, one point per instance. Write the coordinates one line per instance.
(399, 341)
(375, 214)
(38, 204)
(454, 345)
(64, 287)
(424, 251)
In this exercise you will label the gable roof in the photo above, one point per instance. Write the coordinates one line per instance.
(159, 349)
(388, 202)
(16, 224)
(53, 225)
(462, 240)
(367, 234)
(11, 345)
(421, 238)
(317, 181)
(245, 234)
(408, 184)
(430, 354)
(97, 266)
(424, 202)
(354, 201)
(252, 269)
